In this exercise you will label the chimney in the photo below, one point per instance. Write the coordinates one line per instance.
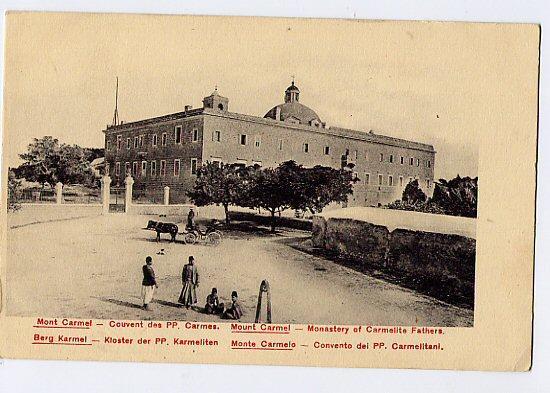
(188, 108)
(277, 113)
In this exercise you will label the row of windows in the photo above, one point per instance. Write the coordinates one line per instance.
(243, 140)
(136, 166)
(390, 182)
(139, 140)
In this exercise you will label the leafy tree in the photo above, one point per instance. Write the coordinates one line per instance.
(413, 194)
(457, 197)
(293, 186)
(270, 189)
(319, 186)
(217, 184)
(48, 161)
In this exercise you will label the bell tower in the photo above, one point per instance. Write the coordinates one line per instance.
(216, 101)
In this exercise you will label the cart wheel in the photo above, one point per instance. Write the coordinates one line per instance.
(213, 238)
(190, 238)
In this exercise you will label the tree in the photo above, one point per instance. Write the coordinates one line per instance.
(293, 186)
(48, 161)
(270, 189)
(219, 185)
(319, 186)
(457, 197)
(413, 194)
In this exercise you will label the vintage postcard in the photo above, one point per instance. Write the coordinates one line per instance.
(344, 193)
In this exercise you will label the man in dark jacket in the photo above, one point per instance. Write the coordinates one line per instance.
(149, 283)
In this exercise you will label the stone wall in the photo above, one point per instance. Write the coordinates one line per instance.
(168, 210)
(442, 261)
(35, 213)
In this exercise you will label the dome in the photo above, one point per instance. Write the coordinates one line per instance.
(293, 111)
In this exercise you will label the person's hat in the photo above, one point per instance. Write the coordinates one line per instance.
(148, 259)
(234, 293)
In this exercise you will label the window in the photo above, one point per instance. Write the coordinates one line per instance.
(411, 161)
(305, 147)
(141, 141)
(177, 134)
(193, 166)
(391, 158)
(402, 160)
(427, 183)
(390, 180)
(381, 157)
(135, 167)
(118, 141)
(217, 136)
(257, 140)
(163, 168)
(154, 142)
(280, 144)
(143, 168)
(327, 150)
(380, 180)
(367, 178)
(355, 155)
(128, 143)
(153, 168)
(366, 156)
(108, 145)
(400, 181)
(136, 141)
(429, 164)
(242, 139)
(117, 169)
(195, 134)
(163, 139)
(176, 167)
(356, 175)
(126, 169)
(418, 162)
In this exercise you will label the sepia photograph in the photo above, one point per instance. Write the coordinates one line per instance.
(175, 178)
(305, 191)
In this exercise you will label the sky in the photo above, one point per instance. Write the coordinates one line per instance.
(427, 82)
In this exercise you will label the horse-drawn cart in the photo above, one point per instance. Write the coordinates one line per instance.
(211, 235)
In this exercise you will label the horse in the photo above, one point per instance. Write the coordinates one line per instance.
(163, 227)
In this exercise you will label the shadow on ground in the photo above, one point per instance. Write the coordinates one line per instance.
(419, 284)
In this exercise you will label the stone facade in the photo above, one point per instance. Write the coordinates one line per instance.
(289, 131)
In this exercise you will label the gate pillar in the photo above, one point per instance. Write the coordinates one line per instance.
(128, 195)
(166, 195)
(105, 193)
(59, 193)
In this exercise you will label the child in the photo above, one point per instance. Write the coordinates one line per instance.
(149, 283)
(213, 305)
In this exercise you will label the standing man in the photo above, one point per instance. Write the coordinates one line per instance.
(149, 283)
(190, 281)
(191, 219)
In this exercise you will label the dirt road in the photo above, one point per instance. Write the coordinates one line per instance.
(91, 268)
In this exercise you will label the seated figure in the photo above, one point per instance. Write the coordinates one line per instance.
(213, 305)
(234, 311)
